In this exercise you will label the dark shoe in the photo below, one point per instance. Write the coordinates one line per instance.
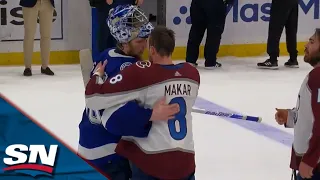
(27, 72)
(47, 71)
(268, 64)
(292, 63)
(217, 65)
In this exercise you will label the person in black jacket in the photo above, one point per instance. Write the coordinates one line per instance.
(104, 38)
(32, 10)
(284, 13)
(207, 15)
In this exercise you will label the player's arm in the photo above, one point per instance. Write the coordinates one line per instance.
(313, 154)
(130, 119)
(117, 90)
(292, 113)
(122, 115)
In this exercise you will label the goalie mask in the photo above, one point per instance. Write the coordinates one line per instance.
(127, 23)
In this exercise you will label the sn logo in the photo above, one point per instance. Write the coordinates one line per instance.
(22, 157)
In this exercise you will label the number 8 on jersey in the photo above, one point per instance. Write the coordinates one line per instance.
(116, 79)
(178, 125)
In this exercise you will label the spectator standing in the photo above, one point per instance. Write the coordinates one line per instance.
(283, 13)
(32, 10)
(207, 15)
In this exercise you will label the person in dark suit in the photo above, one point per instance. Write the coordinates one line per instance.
(207, 15)
(32, 10)
(283, 14)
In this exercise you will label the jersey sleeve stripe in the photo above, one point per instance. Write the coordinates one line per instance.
(98, 152)
(105, 102)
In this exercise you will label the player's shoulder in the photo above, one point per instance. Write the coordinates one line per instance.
(141, 66)
(116, 58)
(313, 79)
(103, 56)
(192, 71)
(315, 71)
(190, 67)
(137, 69)
(113, 54)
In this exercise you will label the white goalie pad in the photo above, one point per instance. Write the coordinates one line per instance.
(86, 63)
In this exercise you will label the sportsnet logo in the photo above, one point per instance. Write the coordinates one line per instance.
(22, 157)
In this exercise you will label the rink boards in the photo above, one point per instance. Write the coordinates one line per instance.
(74, 28)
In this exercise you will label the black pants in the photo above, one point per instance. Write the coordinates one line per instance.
(122, 2)
(283, 13)
(205, 15)
(105, 39)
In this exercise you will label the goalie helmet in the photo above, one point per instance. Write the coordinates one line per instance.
(127, 23)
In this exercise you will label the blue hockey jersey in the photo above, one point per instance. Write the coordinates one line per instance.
(99, 131)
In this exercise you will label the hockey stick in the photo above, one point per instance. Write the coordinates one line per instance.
(229, 115)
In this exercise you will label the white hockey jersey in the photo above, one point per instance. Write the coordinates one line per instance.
(305, 119)
(168, 151)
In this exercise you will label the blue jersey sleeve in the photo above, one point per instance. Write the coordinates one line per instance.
(112, 66)
(130, 120)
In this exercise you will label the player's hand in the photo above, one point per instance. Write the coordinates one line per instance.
(109, 2)
(139, 2)
(163, 111)
(99, 70)
(281, 116)
(305, 171)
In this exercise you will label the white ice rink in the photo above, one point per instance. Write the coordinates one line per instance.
(225, 149)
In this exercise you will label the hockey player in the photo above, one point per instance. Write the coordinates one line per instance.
(101, 130)
(305, 118)
(168, 151)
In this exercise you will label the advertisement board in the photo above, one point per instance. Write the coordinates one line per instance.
(11, 21)
(247, 21)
